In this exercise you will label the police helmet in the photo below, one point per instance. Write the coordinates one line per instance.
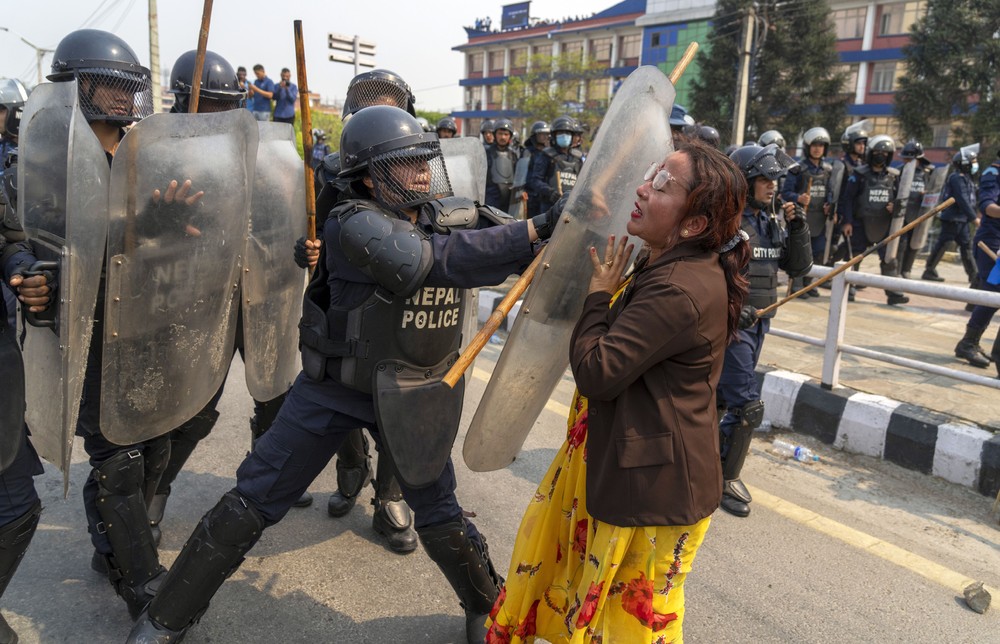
(377, 87)
(13, 96)
(769, 161)
(679, 116)
(540, 127)
(881, 149)
(218, 83)
(101, 60)
(564, 124)
(854, 133)
(503, 124)
(965, 157)
(817, 135)
(424, 123)
(771, 136)
(447, 123)
(487, 126)
(404, 162)
(318, 134)
(709, 135)
(912, 149)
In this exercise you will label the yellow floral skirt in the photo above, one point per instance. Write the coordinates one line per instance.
(575, 579)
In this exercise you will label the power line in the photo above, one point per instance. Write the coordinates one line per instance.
(124, 15)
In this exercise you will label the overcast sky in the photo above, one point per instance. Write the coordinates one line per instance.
(413, 39)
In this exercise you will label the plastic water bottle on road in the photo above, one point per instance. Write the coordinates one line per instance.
(797, 452)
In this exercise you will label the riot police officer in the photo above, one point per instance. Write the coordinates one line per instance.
(534, 146)
(487, 132)
(810, 188)
(955, 219)
(774, 247)
(12, 98)
(501, 159)
(406, 292)
(555, 170)
(220, 91)
(913, 152)
(772, 136)
(19, 463)
(392, 518)
(114, 92)
(447, 128)
(989, 234)
(868, 202)
(679, 120)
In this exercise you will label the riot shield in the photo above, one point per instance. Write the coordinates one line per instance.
(63, 180)
(272, 283)
(173, 269)
(634, 134)
(932, 194)
(465, 161)
(899, 209)
(519, 196)
(836, 181)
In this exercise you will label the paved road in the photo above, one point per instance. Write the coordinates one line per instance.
(850, 549)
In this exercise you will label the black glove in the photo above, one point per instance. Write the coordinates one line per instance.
(546, 222)
(301, 260)
(748, 317)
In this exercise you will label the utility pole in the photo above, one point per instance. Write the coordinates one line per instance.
(743, 78)
(154, 57)
(39, 51)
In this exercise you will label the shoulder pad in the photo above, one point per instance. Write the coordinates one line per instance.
(893, 171)
(453, 213)
(575, 152)
(495, 216)
(331, 163)
(827, 166)
(550, 152)
(991, 170)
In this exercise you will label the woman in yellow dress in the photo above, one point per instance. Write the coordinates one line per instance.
(610, 535)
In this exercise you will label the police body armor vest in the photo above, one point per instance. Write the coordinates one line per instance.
(347, 345)
(502, 165)
(877, 191)
(565, 168)
(817, 193)
(762, 270)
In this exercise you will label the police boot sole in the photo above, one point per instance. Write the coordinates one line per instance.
(339, 505)
(734, 506)
(147, 632)
(931, 278)
(973, 357)
(399, 541)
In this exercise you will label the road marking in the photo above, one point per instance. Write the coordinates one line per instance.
(551, 405)
(893, 554)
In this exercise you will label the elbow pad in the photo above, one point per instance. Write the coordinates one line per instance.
(798, 260)
(392, 251)
(454, 213)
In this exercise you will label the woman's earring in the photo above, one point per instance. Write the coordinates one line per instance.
(684, 233)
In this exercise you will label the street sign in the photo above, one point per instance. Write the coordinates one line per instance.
(361, 53)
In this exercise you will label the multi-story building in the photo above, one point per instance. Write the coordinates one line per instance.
(870, 38)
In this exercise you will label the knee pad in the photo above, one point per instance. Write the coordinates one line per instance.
(233, 522)
(752, 415)
(122, 474)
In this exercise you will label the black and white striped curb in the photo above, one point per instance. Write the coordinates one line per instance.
(910, 436)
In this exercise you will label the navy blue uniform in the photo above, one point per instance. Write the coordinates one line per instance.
(955, 219)
(318, 415)
(821, 192)
(989, 233)
(551, 170)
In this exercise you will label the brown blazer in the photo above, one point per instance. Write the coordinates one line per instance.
(649, 367)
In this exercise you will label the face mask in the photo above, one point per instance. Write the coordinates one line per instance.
(563, 140)
(975, 167)
(878, 159)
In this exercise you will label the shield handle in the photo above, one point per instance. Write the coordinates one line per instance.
(493, 323)
(48, 318)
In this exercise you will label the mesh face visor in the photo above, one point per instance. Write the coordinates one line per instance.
(409, 176)
(366, 93)
(771, 162)
(114, 95)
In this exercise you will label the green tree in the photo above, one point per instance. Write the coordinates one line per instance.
(556, 85)
(795, 81)
(953, 72)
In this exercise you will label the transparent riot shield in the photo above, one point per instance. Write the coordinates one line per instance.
(899, 209)
(272, 283)
(173, 268)
(635, 133)
(932, 195)
(63, 180)
(465, 161)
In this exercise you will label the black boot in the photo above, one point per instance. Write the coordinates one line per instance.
(211, 554)
(14, 540)
(466, 564)
(353, 473)
(892, 297)
(735, 495)
(930, 272)
(133, 566)
(393, 519)
(968, 348)
(906, 265)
